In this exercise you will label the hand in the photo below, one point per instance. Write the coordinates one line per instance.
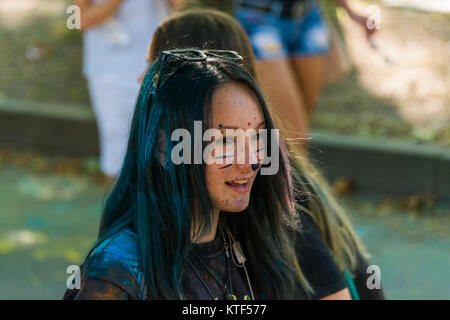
(362, 20)
(176, 4)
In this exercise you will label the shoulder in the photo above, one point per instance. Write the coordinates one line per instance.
(316, 261)
(117, 260)
(122, 244)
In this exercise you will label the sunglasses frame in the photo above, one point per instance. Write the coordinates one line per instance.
(202, 55)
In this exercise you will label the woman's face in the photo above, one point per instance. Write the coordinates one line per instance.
(234, 106)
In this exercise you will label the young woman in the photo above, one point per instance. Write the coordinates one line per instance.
(325, 223)
(119, 278)
(174, 230)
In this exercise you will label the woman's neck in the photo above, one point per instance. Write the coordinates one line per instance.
(211, 235)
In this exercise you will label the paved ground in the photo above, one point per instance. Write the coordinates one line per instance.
(410, 246)
(48, 221)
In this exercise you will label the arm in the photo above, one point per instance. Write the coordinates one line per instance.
(176, 4)
(106, 275)
(344, 294)
(98, 289)
(360, 19)
(343, 4)
(94, 14)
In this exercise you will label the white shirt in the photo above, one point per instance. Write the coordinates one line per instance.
(118, 46)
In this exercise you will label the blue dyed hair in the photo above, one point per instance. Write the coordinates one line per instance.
(158, 202)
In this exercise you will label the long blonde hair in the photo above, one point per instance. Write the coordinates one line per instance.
(327, 213)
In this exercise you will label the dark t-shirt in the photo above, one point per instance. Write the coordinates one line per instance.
(112, 271)
(209, 263)
(315, 261)
(360, 280)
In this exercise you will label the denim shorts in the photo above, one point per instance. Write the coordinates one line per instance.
(275, 37)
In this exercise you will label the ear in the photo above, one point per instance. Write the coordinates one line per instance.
(161, 149)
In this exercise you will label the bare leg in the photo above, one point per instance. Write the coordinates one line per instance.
(310, 73)
(280, 85)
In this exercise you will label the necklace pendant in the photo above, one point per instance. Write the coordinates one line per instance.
(238, 253)
(229, 296)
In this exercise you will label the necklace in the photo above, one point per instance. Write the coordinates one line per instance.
(237, 250)
(228, 288)
(229, 295)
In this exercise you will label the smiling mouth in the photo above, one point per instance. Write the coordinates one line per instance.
(237, 183)
(239, 186)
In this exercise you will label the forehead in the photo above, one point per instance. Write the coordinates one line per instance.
(235, 105)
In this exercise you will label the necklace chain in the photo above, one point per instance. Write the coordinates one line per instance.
(227, 287)
(233, 241)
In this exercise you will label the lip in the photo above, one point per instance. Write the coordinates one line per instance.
(241, 188)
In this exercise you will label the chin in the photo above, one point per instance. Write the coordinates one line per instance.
(236, 206)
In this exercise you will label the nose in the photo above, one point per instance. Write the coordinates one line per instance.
(249, 156)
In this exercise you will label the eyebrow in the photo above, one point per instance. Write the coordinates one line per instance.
(230, 127)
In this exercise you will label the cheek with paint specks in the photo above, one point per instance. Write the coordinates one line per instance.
(233, 106)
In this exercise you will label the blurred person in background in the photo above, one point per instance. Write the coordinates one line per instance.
(292, 44)
(116, 34)
(291, 41)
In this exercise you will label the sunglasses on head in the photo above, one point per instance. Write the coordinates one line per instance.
(192, 55)
(201, 55)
